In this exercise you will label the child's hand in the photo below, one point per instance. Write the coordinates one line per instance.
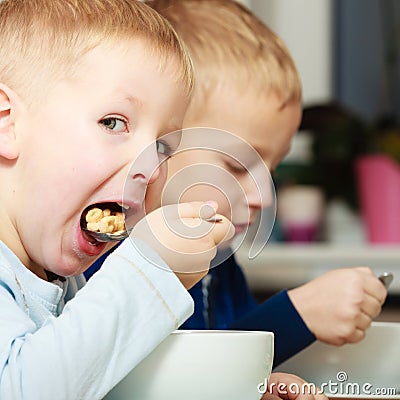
(291, 387)
(183, 238)
(340, 305)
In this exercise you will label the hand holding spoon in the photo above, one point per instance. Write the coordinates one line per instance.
(386, 278)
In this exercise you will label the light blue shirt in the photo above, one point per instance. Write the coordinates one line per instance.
(69, 341)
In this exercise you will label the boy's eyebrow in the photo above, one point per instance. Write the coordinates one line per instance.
(136, 102)
(133, 100)
(122, 96)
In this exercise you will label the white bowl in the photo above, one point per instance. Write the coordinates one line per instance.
(369, 369)
(201, 365)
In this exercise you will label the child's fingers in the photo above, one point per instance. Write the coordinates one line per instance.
(223, 230)
(208, 210)
(220, 231)
(372, 285)
(197, 209)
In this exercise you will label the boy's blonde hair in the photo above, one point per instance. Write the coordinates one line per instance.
(42, 40)
(226, 40)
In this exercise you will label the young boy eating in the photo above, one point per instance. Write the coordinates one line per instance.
(85, 87)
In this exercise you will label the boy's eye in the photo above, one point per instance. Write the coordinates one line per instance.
(115, 124)
(164, 149)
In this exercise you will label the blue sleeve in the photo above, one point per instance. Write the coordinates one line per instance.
(198, 320)
(278, 315)
(220, 298)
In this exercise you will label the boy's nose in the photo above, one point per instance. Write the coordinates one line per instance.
(259, 196)
(254, 199)
(260, 189)
(146, 167)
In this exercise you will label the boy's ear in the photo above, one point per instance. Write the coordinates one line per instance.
(9, 148)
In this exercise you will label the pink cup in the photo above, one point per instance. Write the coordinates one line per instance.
(378, 179)
(300, 212)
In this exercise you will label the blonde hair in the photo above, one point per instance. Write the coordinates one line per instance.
(45, 39)
(227, 41)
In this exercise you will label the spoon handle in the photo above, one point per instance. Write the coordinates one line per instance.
(386, 278)
(214, 219)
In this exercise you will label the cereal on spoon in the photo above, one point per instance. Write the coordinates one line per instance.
(105, 221)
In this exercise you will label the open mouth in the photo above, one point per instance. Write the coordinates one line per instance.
(102, 219)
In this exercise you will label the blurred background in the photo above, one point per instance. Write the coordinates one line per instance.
(338, 189)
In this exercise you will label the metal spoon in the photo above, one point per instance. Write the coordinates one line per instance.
(213, 219)
(386, 278)
(121, 235)
(108, 237)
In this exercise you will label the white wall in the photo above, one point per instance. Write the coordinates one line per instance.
(306, 27)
